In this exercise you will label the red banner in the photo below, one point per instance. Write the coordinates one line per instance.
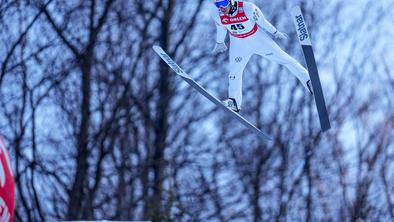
(7, 185)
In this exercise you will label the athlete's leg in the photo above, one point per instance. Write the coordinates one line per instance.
(239, 57)
(273, 52)
(281, 57)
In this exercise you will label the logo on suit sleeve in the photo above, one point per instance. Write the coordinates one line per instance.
(256, 15)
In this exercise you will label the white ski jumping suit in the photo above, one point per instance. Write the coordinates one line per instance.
(249, 35)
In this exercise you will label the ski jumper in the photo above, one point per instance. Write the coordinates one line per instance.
(248, 35)
(7, 185)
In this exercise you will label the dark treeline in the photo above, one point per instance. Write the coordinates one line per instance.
(99, 128)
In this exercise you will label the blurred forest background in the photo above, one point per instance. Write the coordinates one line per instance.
(99, 128)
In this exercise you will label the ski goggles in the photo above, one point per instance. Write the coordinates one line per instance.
(222, 4)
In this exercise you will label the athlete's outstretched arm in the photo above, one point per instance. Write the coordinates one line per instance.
(255, 13)
(221, 33)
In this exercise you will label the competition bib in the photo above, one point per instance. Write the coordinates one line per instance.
(239, 25)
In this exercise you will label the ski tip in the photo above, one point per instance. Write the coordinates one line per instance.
(295, 9)
(300, 24)
(156, 48)
(264, 136)
(326, 128)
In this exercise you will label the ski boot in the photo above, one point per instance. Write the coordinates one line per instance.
(309, 85)
(231, 104)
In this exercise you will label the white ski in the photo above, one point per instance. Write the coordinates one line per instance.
(309, 56)
(205, 93)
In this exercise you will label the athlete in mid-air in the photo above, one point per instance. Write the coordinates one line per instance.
(249, 34)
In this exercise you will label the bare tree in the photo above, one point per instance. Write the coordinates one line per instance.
(100, 127)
